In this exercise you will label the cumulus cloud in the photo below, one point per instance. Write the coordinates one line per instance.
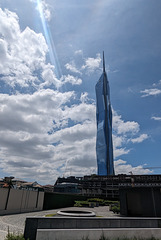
(122, 166)
(35, 134)
(150, 92)
(23, 57)
(43, 134)
(122, 127)
(124, 133)
(23, 52)
(49, 77)
(71, 79)
(91, 64)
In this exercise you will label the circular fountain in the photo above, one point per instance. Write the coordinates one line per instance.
(75, 213)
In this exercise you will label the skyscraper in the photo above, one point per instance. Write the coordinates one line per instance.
(104, 145)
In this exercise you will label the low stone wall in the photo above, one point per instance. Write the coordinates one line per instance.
(95, 234)
(33, 224)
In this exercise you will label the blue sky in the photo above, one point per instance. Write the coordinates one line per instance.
(50, 61)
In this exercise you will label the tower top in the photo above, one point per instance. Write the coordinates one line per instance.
(103, 63)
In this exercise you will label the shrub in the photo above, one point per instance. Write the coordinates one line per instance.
(95, 200)
(81, 204)
(108, 202)
(115, 209)
(12, 236)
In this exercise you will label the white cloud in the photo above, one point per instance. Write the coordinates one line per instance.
(91, 64)
(156, 118)
(120, 151)
(84, 97)
(23, 53)
(28, 150)
(79, 52)
(71, 66)
(150, 92)
(42, 134)
(123, 134)
(140, 139)
(122, 127)
(43, 8)
(118, 140)
(23, 56)
(49, 77)
(122, 166)
(71, 79)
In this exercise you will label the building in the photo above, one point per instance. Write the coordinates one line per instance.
(48, 188)
(107, 187)
(70, 184)
(104, 145)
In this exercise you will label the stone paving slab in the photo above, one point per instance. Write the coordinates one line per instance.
(16, 222)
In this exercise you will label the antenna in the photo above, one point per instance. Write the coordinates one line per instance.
(103, 63)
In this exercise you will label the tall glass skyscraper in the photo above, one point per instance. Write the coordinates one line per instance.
(104, 145)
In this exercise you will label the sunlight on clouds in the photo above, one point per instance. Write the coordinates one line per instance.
(44, 7)
(23, 57)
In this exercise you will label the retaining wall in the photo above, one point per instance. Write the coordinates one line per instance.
(95, 234)
(34, 224)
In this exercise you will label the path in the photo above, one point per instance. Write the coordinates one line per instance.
(16, 222)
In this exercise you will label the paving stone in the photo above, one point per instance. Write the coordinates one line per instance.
(16, 222)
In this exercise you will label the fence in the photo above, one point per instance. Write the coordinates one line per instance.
(17, 201)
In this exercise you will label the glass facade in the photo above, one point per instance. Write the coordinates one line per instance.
(104, 146)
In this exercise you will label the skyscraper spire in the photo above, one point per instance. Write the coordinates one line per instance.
(103, 63)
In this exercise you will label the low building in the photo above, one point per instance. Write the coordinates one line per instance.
(48, 188)
(106, 186)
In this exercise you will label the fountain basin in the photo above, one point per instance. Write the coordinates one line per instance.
(72, 213)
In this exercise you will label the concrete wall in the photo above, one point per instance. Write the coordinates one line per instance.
(95, 234)
(140, 201)
(17, 201)
(3, 198)
(34, 224)
(60, 200)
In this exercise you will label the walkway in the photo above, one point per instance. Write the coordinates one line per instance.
(16, 222)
